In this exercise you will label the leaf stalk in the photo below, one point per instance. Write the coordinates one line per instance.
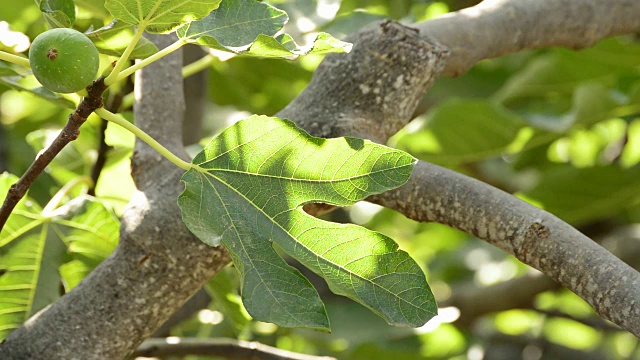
(14, 59)
(198, 65)
(151, 59)
(118, 119)
(114, 75)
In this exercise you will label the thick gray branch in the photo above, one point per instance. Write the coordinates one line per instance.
(497, 27)
(474, 301)
(158, 263)
(436, 194)
(534, 236)
(373, 91)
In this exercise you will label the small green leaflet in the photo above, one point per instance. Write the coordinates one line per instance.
(160, 16)
(34, 247)
(246, 190)
(249, 27)
(58, 13)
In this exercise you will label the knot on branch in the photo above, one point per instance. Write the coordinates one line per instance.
(373, 91)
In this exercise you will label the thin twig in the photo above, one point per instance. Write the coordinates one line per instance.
(101, 160)
(229, 348)
(113, 104)
(69, 133)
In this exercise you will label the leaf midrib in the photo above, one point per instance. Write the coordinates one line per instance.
(201, 169)
(301, 244)
(286, 308)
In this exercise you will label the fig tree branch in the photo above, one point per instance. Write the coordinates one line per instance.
(474, 302)
(330, 106)
(128, 301)
(532, 235)
(157, 265)
(114, 100)
(498, 27)
(69, 133)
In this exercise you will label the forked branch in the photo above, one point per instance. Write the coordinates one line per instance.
(70, 132)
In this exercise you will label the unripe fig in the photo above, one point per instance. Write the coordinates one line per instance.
(64, 60)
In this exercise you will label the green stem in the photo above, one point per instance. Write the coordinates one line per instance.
(198, 65)
(194, 67)
(160, 54)
(14, 59)
(117, 119)
(55, 201)
(113, 76)
(128, 100)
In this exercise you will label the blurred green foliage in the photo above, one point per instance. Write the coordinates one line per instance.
(557, 127)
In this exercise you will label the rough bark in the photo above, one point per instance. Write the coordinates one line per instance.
(373, 91)
(158, 263)
(125, 299)
(534, 236)
(497, 27)
(474, 301)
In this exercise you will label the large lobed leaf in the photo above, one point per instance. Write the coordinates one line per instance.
(160, 16)
(249, 27)
(246, 191)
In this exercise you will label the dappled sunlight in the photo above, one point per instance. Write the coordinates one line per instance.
(15, 40)
(445, 315)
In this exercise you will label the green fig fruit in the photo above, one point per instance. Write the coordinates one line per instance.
(64, 60)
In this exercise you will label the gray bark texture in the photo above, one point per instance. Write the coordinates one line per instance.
(369, 93)
(497, 27)
(158, 263)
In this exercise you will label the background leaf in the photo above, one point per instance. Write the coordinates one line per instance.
(223, 290)
(58, 13)
(90, 232)
(564, 192)
(461, 131)
(236, 24)
(247, 191)
(6, 70)
(248, 27)
(41, 92)
(33, 247)
(160, 16)
(29, 256)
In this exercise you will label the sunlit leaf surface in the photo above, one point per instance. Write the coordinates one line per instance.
(33, 247)
(246, 192)
(160, 16)
(249, 27)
